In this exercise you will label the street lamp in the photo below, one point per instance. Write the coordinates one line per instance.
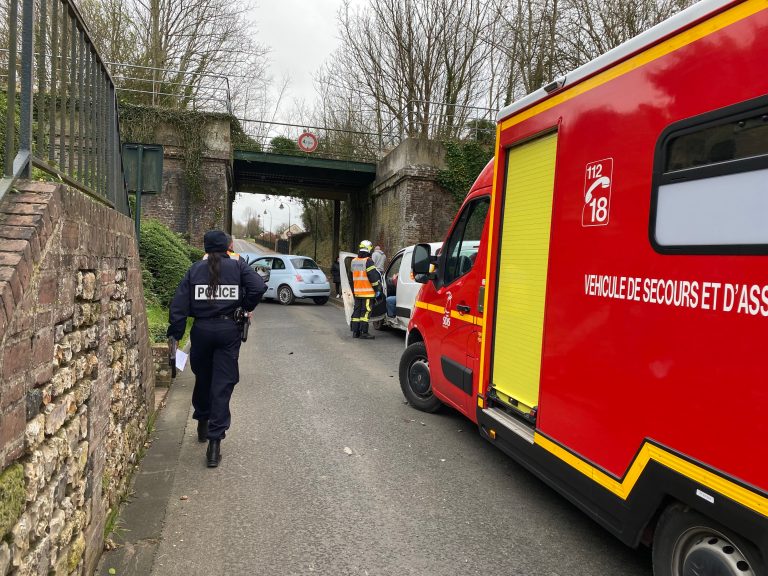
(270, 223)
(289, 224)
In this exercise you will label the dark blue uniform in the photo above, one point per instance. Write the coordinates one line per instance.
(215, 334)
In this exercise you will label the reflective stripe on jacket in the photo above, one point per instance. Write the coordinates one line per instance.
(362, 268)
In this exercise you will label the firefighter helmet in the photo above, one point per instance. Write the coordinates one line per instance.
(366, 246)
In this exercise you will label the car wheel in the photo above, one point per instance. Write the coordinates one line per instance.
(320, 300)
(415, 380)
(686, 542)
(285, 295)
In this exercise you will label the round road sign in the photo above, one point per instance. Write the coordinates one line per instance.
(307, 142)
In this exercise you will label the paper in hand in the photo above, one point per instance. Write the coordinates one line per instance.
(181, 359)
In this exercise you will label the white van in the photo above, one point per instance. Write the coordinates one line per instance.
(397, 274)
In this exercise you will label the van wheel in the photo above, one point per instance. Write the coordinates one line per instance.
(415, 379)
(320, 300)
(686, 542)
(285, 295)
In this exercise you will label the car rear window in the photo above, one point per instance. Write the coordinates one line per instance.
(304, 264)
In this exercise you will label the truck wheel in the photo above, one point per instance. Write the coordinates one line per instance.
(415, 380)
(285, 295)
(686, 542)
(320, 300)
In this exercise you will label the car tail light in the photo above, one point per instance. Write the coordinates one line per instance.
(299, 278)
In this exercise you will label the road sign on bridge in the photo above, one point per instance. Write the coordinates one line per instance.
(308, 142)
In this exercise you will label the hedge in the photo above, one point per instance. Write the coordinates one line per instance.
(166, 257)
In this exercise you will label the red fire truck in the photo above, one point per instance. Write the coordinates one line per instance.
(600, 304)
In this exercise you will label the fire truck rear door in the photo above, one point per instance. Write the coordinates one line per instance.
(522, 275)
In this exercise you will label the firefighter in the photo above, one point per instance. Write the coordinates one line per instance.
(211, 292)
(231, 248)
(366, 284)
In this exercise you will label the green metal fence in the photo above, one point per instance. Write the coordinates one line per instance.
(62, 115)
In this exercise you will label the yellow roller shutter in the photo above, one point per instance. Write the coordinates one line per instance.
(519, 323)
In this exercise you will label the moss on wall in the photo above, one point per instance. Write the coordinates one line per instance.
(12, 497)
(138, 124)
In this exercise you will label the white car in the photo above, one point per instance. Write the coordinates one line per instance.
(398, 274)
(292, 277)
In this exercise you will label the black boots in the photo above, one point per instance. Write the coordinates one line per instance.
(366, 336)
(213, 456)
(202, 430)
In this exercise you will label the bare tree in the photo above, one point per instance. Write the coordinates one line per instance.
(186, 47)
(416, 66)
(529, 32)
(413, 64)
(112, 25)
(252, 226)
(592, 27)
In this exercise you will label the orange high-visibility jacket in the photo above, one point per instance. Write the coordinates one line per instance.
(365, 277)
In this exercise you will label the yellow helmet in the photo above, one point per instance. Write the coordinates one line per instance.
(366, 246)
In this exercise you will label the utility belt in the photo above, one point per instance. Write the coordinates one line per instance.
(239, 317)
(220, 317)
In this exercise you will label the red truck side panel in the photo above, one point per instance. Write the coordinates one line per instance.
(618, 367)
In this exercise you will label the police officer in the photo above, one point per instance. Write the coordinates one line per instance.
(366, 284)
(211, 291)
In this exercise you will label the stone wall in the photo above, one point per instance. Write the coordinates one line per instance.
(77, 384)
(177, 206)
(407, 204)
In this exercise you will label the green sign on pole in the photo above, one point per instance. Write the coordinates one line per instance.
(143, 166)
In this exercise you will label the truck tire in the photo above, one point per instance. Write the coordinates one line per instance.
(285, 295)
(415, 380)
(686, 542)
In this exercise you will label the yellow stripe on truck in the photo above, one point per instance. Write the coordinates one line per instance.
(469, 318)
(623, 488)
(430, 307)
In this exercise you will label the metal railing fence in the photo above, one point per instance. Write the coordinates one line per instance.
(443, 121)
(333, 143)
(62, 115)
(172, 88)
(434, 120)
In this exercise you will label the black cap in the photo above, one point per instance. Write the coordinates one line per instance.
(215, 241)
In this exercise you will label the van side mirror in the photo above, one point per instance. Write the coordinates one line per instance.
(421, 263)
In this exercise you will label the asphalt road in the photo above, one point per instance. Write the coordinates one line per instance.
(327, 471)
(243, 246)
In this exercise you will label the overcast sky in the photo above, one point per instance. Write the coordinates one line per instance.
(301, 35)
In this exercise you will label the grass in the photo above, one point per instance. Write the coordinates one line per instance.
(157, 318)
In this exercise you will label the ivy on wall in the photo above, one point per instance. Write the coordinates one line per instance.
(138, 124)
(240, 139)
(464, 159)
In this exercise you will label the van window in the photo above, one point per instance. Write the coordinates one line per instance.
(464, 242)
(392, 271)
(709, 194)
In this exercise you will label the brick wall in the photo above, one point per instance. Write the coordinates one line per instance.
(176, 206)
(407, 204)
(77, 382)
